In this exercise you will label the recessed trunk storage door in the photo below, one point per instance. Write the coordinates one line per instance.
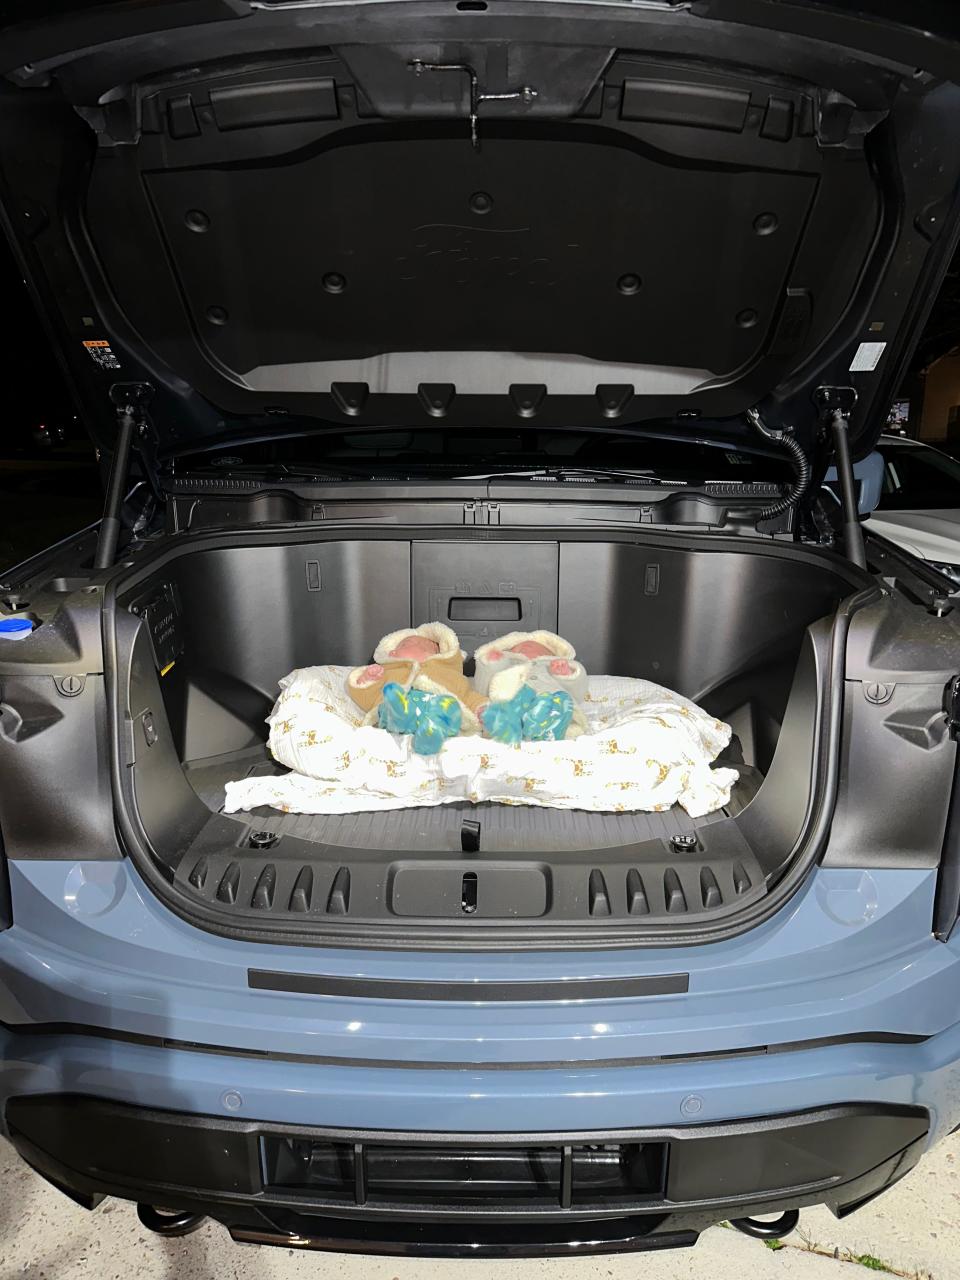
(486, 589)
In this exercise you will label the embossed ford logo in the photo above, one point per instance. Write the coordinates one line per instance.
(476, 256)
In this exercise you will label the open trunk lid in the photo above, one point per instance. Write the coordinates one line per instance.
(303, 216)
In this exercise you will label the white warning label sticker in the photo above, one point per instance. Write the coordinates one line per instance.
(867, 357)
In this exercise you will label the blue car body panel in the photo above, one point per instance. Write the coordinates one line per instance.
(850, 956)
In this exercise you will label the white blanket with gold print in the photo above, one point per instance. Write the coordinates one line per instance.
(645, 748)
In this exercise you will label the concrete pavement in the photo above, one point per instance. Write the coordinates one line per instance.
(913, 1231)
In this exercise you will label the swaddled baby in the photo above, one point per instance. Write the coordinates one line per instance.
(533, 680)
(416, 685)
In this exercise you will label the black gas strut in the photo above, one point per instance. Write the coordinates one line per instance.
(836, 405)
(130, 399)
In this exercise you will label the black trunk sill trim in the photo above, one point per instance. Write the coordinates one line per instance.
(665, 984)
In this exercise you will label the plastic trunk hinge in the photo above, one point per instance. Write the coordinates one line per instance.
(836, 404)
(130, 400)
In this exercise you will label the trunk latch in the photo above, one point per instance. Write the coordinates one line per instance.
(524, 94)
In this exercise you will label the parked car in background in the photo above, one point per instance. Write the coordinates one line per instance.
(31, 437)
(47, 434)
(919, 507)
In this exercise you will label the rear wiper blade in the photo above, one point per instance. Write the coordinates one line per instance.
(561, 473)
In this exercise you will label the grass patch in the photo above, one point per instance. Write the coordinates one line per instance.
(866, 1260)
(869, 1261)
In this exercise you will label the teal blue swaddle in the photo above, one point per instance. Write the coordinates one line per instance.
(431, 718)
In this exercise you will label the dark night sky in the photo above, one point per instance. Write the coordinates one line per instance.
(33, 385)
(45, 493)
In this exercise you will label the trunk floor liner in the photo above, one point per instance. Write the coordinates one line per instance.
(505, 828)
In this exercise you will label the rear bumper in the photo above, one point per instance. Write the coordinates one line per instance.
(844, 999)
(460, 1194)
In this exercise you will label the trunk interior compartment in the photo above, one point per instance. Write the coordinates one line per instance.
(204, 630)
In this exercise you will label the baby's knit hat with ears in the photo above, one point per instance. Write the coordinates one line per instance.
(435, 631)
(558, 647)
